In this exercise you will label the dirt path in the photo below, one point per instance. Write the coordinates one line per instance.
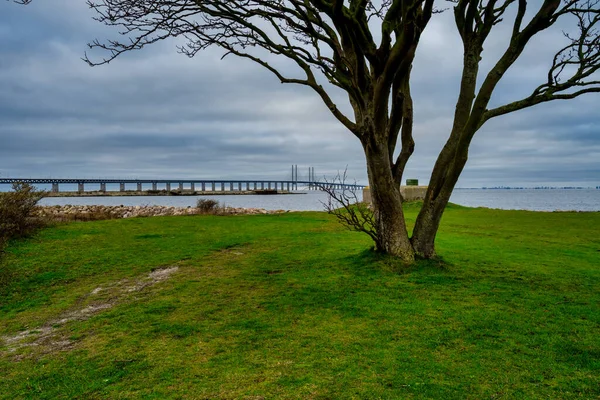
(49, 339)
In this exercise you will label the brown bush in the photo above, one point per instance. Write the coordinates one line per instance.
(17, 211)
(209, 206)
(17, 219)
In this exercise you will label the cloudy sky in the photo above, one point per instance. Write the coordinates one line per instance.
(156, 113)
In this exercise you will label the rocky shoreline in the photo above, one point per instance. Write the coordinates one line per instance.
(108, 212)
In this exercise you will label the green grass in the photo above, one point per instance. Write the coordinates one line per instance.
(293, 306)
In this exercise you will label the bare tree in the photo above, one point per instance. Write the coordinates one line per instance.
(335, 41)
(573, 73)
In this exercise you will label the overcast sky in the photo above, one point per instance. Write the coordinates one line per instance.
(158, 114)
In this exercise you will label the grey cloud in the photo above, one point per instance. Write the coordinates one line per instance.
(158, 113)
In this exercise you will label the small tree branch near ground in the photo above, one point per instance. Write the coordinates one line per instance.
(344, 204)
(334, 42)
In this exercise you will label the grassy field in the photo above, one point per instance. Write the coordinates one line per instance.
(293, 306)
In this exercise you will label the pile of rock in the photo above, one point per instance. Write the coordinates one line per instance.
(108, 212)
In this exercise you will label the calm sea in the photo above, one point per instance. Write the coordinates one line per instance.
(508, 199)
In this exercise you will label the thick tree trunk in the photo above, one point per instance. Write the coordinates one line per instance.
(450, 161)
(387, 203)
(427, 225)
(445, 174)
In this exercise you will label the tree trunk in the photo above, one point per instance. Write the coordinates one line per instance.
(445, 174)
(427, 225)
(392, 236)
(451, 159)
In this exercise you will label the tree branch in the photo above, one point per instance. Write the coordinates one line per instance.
(343, 203)
(581, 57)
(406, 137)
(294, 27)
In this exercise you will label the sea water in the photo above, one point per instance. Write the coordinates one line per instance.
(508, 199)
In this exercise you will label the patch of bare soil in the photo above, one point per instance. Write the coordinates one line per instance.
(49, 339)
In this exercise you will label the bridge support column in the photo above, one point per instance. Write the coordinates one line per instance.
(168, 184)
(181, 186)
(121, 187)
(262, 186)
(80, 187)
(240, 186)
(254, 185)
(55, 188)
(204, 186)
(222, 186)
(288, 186)
(103, 187)
(139, 187)
(231, 186)
(269, 185)
(154, 185)
(193, 186)
(213, 186)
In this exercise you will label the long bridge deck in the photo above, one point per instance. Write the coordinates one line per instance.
(204, 185)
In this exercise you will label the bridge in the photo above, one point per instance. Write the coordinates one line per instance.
(185, 185)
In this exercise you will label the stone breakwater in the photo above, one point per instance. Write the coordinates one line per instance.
(98, 211)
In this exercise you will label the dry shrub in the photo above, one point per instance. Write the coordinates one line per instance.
(17, 211)
(209, 206)
(17, 219)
